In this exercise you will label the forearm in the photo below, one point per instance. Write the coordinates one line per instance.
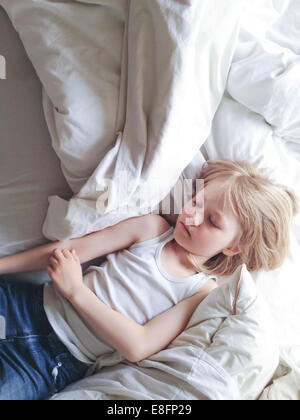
(135, 342)
(88, 248)
(117, 330)
(163, 329)
(35, 259)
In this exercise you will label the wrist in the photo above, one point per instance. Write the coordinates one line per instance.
(77, 294)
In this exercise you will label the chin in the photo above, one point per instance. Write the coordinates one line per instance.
(177, 235)
(182, 240)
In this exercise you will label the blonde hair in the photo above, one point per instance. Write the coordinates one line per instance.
(265, 211)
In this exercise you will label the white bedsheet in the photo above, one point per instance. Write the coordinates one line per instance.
(184, 374)
(25, 180)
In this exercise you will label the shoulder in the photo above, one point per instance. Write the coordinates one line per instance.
(151, 226)
(205, 290)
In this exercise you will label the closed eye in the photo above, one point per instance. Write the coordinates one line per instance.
(212, 223)
(210, 220)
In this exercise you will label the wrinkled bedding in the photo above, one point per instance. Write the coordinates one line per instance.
(137, 95)
(232, 327)
(137, 103)
(25, 181)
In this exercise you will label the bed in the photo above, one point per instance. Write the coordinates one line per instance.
(93, 89)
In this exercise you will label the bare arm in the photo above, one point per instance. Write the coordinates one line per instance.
(136, 342)
(35, 259)
(89, 247)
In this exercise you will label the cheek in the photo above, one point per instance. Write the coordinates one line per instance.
(206, 239)
(202, 233)
(201, 237)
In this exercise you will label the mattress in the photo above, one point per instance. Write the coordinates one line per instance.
(30, 170)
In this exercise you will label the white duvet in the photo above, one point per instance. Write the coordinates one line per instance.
(133, 65)
(148, 102)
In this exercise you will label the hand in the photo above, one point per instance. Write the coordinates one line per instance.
(65, 270)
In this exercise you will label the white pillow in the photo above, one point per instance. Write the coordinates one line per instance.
(240, 134)
(76, 50)
(286, 383)
(233, 325)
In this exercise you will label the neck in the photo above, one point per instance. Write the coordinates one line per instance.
(182, 255)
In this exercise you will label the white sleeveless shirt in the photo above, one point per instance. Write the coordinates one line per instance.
(131, 281)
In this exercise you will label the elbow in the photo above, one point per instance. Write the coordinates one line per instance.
(135, 354)
(132, 359)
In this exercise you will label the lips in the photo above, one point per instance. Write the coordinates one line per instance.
(185, 228)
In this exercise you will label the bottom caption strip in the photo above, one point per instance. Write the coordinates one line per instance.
(141, 409)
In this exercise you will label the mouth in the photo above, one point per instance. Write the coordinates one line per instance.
(185, 228)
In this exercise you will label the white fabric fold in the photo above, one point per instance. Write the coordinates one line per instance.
(154, 70)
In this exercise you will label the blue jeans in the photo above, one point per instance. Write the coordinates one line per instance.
(34, 363)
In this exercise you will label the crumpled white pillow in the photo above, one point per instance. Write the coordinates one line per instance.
(76, 51)
(233, 325)
(286, 383)
(240, 134)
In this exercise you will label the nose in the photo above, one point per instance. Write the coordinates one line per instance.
(194, 214)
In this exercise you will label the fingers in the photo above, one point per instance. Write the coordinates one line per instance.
(61, 254)
(66, 253)
(53, 262)
(75, 255)
(56, 259)
(70, 254)
(50, 271)
(57, 253)
(59, 260)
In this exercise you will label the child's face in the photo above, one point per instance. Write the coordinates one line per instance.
(208, 229)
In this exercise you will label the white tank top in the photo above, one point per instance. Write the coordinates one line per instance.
(132, 282)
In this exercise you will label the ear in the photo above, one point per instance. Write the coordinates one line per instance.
(231, 251)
